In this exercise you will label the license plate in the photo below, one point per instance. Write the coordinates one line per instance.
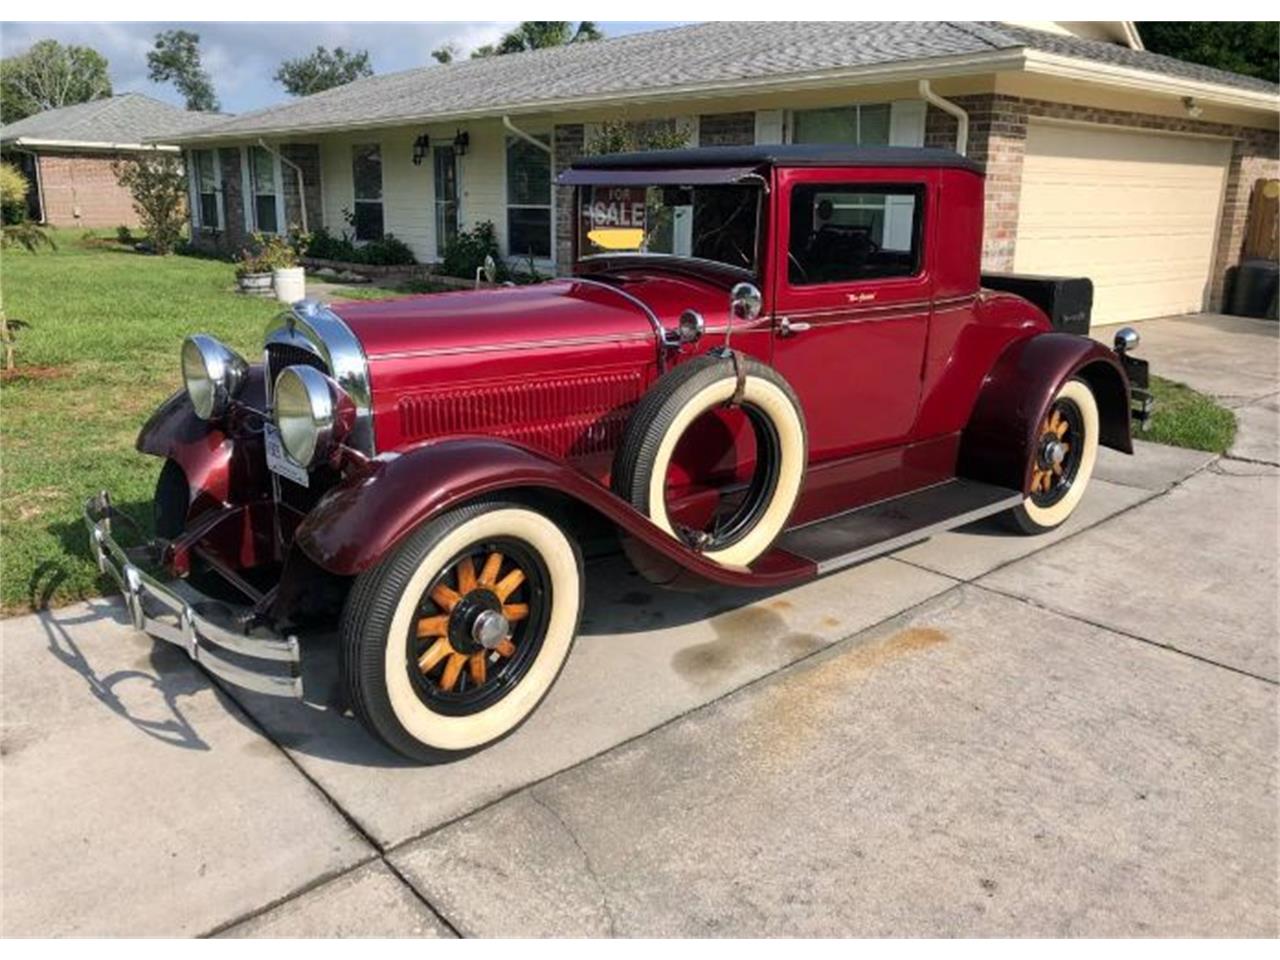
(278, 461)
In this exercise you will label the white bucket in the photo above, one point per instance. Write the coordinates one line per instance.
(290, 284)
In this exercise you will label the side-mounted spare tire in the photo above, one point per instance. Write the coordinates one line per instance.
(756, 514)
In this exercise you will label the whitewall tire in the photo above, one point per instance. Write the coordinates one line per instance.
(1063, 458)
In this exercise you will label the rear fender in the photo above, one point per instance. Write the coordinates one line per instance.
(358, 522)
(212, 462)
(996, 445)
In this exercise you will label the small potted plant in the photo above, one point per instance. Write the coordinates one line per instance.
(287, 275)
(253, 275)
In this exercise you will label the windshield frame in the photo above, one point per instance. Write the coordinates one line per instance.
(637, 257)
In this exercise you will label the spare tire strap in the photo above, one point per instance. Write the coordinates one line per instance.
(739, 371)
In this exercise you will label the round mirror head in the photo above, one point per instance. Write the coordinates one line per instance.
(744, 301)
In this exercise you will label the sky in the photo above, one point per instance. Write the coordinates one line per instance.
(243, 57)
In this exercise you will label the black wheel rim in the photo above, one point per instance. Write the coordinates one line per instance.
(1054, 470)
(740, 506)
(441, 652)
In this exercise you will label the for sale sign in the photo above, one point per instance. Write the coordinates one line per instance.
(616, 207)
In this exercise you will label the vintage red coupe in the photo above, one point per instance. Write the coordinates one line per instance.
(770, 363)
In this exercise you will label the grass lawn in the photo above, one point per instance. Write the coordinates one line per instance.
(1186, 418)
(101, 353)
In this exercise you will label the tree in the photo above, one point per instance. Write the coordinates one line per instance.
(159, 189)
(175, 59)
(322, 70)
(538, 34)
(446, 53)
(624, 136)
(1247, 47)
(49, 75)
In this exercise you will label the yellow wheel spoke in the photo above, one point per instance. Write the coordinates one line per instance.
(435, 653)
(433, 626)
(452, 670)
(446, 597)
(492, 566)
(477, 665)
(509, 583)
(1061, 429)
(466, 575)
(506, 648)
(515, 611)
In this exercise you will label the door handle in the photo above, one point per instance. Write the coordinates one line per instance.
(789, 328)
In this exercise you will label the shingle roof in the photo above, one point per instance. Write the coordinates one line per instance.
(717, 54)
(126, 118)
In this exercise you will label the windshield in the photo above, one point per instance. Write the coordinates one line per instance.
(717, 223)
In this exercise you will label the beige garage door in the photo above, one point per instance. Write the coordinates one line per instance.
(1135, 212)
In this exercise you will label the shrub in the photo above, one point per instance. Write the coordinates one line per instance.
(325, 246)
(124, 235)
(13, 194)
(159, 189)
(390, 251)
(465, 255)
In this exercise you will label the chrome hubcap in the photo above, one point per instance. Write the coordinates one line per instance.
(490, 629)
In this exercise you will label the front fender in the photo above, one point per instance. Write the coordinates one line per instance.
(358, 522)
(996, 444)
(216, 470)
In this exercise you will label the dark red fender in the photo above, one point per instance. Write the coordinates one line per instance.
(214, 465)
(1014, 399)
(355, 524)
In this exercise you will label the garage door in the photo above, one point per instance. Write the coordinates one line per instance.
(1135, 212)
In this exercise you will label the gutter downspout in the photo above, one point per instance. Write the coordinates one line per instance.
(302, 183)
(962, 118)
(526, 137)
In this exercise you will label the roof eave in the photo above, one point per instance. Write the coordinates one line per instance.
(87, 145)
(1073, 68)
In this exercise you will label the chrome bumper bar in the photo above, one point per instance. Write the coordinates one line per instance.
(144, 594)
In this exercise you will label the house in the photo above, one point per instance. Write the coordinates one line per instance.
(1102, 159)
(66, 155)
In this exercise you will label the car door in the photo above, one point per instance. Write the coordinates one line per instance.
(852, 294)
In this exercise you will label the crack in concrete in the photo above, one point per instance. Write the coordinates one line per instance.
(586, 858)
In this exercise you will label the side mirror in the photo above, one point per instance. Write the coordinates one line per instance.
(689, 329)
(1126, 339)
(745, 302)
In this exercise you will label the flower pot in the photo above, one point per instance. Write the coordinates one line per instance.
(290, 284)
(255, 284)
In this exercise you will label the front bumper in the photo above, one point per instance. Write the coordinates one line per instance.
(161, 612)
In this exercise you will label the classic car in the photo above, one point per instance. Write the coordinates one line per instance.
(769, 363)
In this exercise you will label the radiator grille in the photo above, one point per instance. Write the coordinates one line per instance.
(280, 356)
(566, 416)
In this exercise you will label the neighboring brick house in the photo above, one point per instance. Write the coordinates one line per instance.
(1101, 159)
(67, 155)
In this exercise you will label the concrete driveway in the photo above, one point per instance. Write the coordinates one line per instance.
(981, 735)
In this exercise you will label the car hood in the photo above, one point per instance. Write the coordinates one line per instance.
(558, 311)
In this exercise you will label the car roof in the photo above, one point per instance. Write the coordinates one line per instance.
(780, 155)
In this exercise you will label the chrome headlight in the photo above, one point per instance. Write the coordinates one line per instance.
(312, 413)
(213, 374)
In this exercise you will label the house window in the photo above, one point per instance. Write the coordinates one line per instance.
(857, 231)
(265, 183)
(446, 183)
(865, 124)
(528, 199)
(366, 172)
(204, 169)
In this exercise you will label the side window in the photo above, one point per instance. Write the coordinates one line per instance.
(264, 190)
(366, 175)
(858, 231)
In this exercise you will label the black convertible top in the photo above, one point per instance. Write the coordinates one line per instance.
(780, 155)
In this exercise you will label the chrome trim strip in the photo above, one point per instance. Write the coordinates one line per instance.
(513, 345)
(313, 326)
(644, 308)
(915, 536)
(191, 631)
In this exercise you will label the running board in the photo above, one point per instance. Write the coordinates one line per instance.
(889, 525)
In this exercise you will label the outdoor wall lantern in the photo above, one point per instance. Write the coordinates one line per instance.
(420, 148)
(461, 142)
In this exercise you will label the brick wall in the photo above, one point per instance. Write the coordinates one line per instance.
(569, 147)
(727, 129)
(307, 157)
(80, 190)
(997, 139)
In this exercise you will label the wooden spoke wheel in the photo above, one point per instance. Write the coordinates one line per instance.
(1064, 450)
(470, 643)
(1057, 455)
(454, 638)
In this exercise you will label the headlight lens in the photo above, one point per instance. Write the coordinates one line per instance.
(213, 373)
(311, 412)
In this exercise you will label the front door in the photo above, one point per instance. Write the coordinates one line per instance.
(446, 193)
(852, 303)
